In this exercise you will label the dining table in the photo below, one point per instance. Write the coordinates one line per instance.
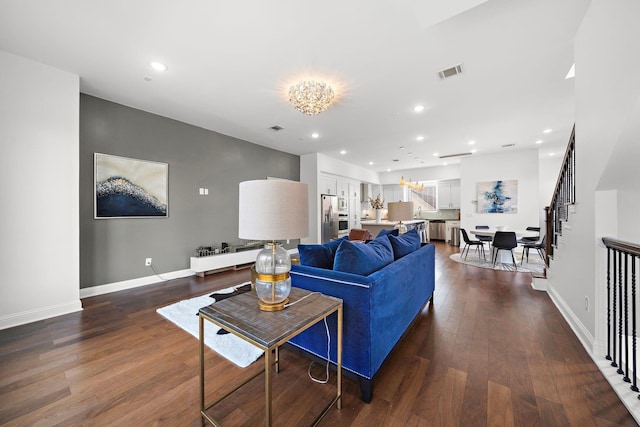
(504, 257)
(520, 233)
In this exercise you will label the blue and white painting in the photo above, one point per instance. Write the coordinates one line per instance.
(498, 196)
(127, 188)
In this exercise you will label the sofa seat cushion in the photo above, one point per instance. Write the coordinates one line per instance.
(363, 258)
(320, 256)
(405, 244)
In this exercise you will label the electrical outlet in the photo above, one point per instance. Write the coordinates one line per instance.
(586, 303)
(147, 262)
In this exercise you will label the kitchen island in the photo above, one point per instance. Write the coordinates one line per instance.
(375, 227)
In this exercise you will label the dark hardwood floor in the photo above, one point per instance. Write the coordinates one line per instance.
(488, 351)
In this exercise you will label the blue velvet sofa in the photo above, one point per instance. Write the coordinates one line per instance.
(377, 307)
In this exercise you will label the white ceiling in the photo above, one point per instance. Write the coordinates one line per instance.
(230, 64)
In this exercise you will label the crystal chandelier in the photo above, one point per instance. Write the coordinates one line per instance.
(311, 97)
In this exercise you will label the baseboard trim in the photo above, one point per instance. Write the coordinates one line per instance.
(133, 283)
(576, 325)
(37, 314)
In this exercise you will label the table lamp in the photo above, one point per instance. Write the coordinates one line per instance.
(400, 211)
(273, 209)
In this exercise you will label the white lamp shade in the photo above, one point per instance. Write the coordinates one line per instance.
(273, 209)
(400, 211)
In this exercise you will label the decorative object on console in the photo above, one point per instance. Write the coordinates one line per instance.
(400, 211)
(273, 210)
(311, 97)
(377, 204)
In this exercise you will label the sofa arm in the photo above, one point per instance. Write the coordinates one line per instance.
(354, 290)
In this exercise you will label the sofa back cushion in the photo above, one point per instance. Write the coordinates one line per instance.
(320, 256)
(405, 244)
(363, 258)
(386, 232)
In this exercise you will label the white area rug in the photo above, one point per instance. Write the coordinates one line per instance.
(535, 264)
(184, 315)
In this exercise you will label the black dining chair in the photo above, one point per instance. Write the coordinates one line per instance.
(484, 239)
(533, 239)
(539, 246)
(468, 243)
(504, 241)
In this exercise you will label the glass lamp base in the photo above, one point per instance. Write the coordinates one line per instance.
(277, 306)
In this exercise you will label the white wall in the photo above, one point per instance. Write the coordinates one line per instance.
(519, 165)
(605, 99)
(39, 155)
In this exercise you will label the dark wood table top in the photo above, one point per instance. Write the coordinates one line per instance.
(240, 315)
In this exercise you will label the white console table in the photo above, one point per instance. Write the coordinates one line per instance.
(232, 261)
(214, 263)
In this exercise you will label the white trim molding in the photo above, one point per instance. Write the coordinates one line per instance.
(133, 283)
(42, 313)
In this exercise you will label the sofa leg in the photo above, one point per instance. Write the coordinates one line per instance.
(366, 389)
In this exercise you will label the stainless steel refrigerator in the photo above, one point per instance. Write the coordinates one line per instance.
(329, 217)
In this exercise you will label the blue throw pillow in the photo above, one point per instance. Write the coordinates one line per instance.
(315, 256)
(386, 232)
(363, 259)
(320, 256)
(405, 244)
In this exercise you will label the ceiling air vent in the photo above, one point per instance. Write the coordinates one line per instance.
(276, 128)
(455, 155)
(450, 72)
(508, 145)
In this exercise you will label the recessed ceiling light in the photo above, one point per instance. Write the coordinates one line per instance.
(474, 151)
(445, 164)
(418, 108)
(471, 142)
(547, 131)
(315, 135)
(158, 66)
(539, 141)
(388, 170)
(401, 147)
(572, 72)
(552, 154)
(435, 154)
(409, 153)
(370, 163)
(343, 151)
(419, 137)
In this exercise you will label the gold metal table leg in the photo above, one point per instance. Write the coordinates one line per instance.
(201, 339)
(339, 357)
(267, 386)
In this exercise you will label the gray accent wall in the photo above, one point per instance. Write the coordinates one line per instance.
(114, 250)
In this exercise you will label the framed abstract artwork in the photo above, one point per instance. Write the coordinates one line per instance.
(130, 188)
(498, 196)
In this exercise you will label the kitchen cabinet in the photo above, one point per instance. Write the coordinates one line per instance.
(328, 185)
(354, 205)
(392, 193)
(449, 226)
(343, 188)
(449, 194)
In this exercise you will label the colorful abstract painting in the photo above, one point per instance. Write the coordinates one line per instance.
(126, 188)
(498, 196)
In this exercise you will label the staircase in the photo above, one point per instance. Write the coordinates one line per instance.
(564, 197)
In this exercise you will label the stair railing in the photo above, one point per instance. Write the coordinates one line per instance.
(623, 260)
(564, 196)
